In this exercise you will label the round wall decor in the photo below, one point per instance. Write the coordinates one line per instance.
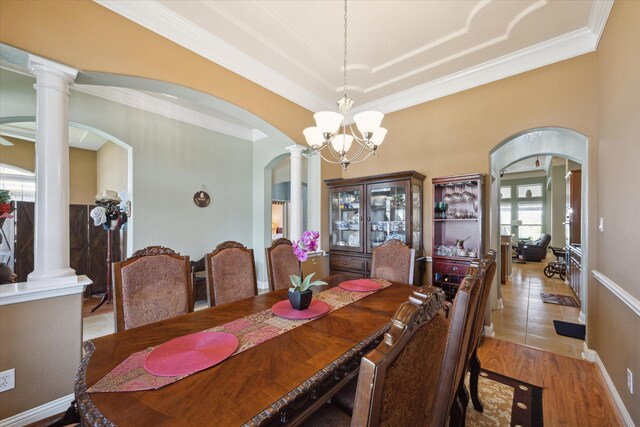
(201, 199)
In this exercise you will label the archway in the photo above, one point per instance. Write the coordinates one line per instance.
(553, 141)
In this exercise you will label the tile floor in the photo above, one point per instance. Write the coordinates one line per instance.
(525, 319)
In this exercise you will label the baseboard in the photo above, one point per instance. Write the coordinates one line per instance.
(500, 305)
(582, 319)
(488, 331)
(588, 354)
(38, 413)
(617, 400)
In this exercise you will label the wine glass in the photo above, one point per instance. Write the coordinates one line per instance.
(456, 196)
(447, 198)
(467, 196)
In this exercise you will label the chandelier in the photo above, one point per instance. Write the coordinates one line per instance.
(332, 145)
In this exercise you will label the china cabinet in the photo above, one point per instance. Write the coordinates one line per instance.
(368, 211)
(458, 232)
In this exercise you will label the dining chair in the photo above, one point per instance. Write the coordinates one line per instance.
(231, 273)
(487, 273)
(153, 285)
(450, 399)
(397, 379)
(440, 361)
(281, 263)
(393, 261)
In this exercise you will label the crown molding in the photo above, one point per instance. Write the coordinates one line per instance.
(558, 49)
(157, 18)
(138, 100)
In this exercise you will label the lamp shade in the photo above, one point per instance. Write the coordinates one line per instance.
(378, 136)
(313, 136)
(342, 142)
(328, 121)
(368, 121)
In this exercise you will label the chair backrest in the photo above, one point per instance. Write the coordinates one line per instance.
(545, 239)
(397, 376)
(153, 285)
(487, 273)
(454, 361)
(231, 273)
(393, 261)
(281, 263)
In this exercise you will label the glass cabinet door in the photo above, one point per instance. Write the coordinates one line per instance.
(387, 213)
(416, 218)
(346, 219)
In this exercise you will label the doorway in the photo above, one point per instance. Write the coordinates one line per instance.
(519, 301)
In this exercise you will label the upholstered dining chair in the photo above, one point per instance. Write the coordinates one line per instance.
(487, 273)
(398, 380)
(153, 285)
(231, 273)
(281, 263)
(437, 352)
(393, 261)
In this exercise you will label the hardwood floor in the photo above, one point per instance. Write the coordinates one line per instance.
(574, 393)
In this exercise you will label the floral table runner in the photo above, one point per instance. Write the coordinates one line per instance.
(251, 330)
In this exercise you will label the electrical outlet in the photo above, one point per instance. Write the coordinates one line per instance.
(630, 380)
(7, 380)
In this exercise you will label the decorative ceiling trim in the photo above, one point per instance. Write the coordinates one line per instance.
(141, 101)
(157, 18)
(161, 20)
(558, 49)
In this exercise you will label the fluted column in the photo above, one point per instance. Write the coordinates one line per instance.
(296, 191)
(51, 242)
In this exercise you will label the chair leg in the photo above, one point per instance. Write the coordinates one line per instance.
(458, 410)
(473, 382)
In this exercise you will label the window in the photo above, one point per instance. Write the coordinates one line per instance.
(530, 190)
(505, 218)
(505, 192)
(20, 183)
(530, 213)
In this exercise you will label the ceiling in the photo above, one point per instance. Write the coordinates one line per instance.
(400, 53)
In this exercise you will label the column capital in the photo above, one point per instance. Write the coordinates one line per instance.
(38, 65)
(296, 149)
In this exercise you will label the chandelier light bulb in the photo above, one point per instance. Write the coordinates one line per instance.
(328, 121)
(313, 136)
(368, 121)
(341, 143)
(378, 136)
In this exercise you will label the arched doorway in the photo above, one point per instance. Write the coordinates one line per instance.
(544, 141)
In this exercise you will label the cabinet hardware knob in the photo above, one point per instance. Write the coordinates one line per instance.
(454, 268)
(368, 218)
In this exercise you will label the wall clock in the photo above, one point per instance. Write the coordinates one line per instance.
(201, 199)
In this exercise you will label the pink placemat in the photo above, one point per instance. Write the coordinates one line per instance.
(285, 310)
(190, 353)
(360, 285)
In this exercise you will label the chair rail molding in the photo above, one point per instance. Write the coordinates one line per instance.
(624, 296)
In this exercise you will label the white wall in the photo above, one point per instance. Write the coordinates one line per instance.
(171, 160)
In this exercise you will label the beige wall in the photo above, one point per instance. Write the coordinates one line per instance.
(82, 167)
(112, 167)
(615, 336)
(41, 341)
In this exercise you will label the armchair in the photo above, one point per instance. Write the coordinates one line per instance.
(535, 250)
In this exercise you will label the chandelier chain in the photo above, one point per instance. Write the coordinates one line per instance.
(344, 65)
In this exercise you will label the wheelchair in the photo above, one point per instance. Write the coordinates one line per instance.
(558, 266)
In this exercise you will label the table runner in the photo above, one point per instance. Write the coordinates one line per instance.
(251, 330)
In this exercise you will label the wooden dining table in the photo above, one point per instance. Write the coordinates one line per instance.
(280, 381)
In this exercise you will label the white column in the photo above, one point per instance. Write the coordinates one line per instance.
(51, 242)
(296, 191)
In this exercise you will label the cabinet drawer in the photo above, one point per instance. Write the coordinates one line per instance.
(450, 268)
(346, 263)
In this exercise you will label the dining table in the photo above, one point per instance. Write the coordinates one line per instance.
(279, 381)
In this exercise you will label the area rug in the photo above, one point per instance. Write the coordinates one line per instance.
(507, 402)
(571, 330)
(558, 299)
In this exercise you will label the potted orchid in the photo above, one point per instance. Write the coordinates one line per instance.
(300, 293)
